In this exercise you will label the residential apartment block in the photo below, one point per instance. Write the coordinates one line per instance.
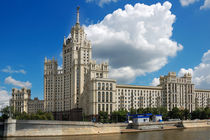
(82, 83)
(22, 102)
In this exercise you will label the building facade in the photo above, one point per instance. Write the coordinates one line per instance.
(82, 83)
(22, 102)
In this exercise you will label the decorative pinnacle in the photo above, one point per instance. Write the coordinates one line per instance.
(64, 41)
(78, 15)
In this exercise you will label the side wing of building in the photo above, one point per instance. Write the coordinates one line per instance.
(202, 98)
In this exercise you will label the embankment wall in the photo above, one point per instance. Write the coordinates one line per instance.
(196, 123)
(14, 128)
(58, 128)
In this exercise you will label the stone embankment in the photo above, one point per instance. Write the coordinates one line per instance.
(196, 123)
(13, 128)
(58, 128)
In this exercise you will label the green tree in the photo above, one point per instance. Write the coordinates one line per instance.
(148, 110)
(6, 112)
(133, 111)
(174, 113)
(103, 117)
(164, 112)
(196, 114)
(119, 116)
(186, 114)
(140, 111)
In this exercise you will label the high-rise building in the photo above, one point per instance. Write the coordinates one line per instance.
(82, 83)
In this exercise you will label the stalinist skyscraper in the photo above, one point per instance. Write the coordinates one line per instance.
(62, 88)
(84, 84)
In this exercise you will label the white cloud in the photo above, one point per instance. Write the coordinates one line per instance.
(4, 98)
(101, 2)
(187, 2)
(136, 40)
(10, 80)
(183, 71)
(8, 69)
(201, 73)
(155, 82)
(60, 67)
(206, 5)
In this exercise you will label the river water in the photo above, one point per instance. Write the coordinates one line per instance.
(181, 134)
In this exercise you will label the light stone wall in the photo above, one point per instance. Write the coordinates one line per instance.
(22, 102)
(196, 123)
(76, 84)
(35, 105)
(58, 128)
(202, 98)
(130, 96)
(179, 91)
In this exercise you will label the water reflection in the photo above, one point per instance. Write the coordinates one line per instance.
(182, 134)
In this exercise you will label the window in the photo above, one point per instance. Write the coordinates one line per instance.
(99, 97)
(99, 107)
(107, 97)
(99, 86)
(103, 96)
(103, 85)
(103, 109)
(107, 107)
(110, 86)
(107, 86)
(110, 96)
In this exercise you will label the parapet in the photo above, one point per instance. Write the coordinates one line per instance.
(23, 90)
(172, 74)
(188, 75)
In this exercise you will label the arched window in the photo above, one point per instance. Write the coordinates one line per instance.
(107, 97)
(107, 86)
(99, 86)
(99, 97)
(103, 96)
(103, 86)
(110, 96)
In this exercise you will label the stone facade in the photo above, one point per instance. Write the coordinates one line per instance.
(178, 91)
(22, 102)
(82, 83)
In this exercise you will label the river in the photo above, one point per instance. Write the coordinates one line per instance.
(181, 134)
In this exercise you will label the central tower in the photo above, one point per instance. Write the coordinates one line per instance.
(76, 56)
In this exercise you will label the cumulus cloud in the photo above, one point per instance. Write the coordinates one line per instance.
(8, 69)
(201, 73)
(187, 2)
(4, 98)
(183, 71)
(60, 67)
(135, 40)
(206, 5)
(155, 82)
(10, 80)
(101, 2)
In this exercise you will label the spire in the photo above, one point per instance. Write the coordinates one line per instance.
(64, 41)
(45, 59)
(78, 15)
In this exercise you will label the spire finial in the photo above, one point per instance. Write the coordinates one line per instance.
(64, 41)
(78, 15)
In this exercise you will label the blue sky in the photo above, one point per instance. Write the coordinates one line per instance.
(31, 30)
